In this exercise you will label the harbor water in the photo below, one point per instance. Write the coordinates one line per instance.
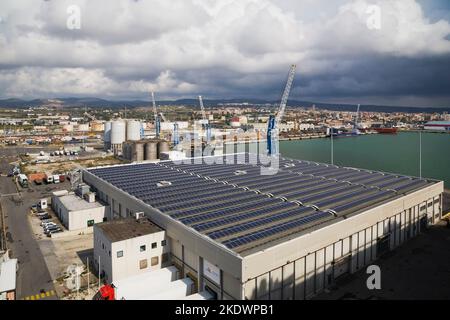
(396, 153)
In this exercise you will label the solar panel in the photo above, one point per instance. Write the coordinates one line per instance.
(238, 216)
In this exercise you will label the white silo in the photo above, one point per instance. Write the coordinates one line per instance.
(118, 135)
(133, 130)
(107, 135)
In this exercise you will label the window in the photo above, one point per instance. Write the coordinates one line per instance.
(143, 264)
(163, 243)
(155, 261)
(142, 248)
(120, 254)
(153, 245)
(109, 253)
(164, 257)
(90, 223)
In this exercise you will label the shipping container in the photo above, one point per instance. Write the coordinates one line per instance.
(36, 176)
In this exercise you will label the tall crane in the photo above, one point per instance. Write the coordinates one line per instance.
(203, 109)
(157, 119)
(272, 129)
(176, 137)
(205, 123)
(357, 117)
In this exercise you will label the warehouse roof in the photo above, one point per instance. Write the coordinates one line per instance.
(74, 203)
(233, 201)
(123, 229)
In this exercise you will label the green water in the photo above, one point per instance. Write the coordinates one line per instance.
(397, 153)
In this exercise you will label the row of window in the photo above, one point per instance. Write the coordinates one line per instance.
(143, 248)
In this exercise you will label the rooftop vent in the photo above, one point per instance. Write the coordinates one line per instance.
(163, 184)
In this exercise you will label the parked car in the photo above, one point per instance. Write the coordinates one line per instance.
(50, 228)
(45, 221)
(40, 214)
(54, 231)
(34, 208)
(44, 217)
(48, 224)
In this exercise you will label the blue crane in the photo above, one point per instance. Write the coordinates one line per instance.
(272, 128)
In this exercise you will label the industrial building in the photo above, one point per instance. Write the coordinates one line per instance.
(129, 247)
(289, 235)
(78, 213)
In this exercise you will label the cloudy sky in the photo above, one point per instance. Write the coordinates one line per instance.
(394, 52)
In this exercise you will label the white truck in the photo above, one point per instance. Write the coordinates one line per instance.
(56, 178)
(23, 180)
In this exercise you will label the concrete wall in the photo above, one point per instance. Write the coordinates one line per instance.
(134, 261)
(102, 254)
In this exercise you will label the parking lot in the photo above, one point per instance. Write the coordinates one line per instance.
(43, 261)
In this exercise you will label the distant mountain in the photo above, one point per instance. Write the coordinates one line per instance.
(102, 103)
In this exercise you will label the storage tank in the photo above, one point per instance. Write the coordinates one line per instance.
(163, 147)
(139, 147)
(133, 130)
(151, 150)
(117, 132)
(107, 133)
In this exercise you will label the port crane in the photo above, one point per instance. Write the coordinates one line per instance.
(204, 122)
(272, 129)
(157, 117)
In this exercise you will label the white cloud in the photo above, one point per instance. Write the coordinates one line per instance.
(181, 47)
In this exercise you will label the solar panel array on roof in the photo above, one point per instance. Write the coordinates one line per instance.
(233, 204)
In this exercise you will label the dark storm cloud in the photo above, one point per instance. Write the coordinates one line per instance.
(227, 49)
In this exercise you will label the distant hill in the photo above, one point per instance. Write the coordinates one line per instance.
(102, 103)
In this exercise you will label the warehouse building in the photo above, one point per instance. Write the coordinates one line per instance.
(76, 213)
(243, 235)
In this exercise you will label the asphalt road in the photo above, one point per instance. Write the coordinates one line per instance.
(33, 276)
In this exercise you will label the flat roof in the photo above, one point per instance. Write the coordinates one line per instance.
(8, 275)
(128, 228)
(228, 199)
(74, 203)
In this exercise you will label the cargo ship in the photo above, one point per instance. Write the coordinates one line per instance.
(386, 130)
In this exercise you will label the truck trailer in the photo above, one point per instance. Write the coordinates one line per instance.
(175, 290)
(138, 286)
